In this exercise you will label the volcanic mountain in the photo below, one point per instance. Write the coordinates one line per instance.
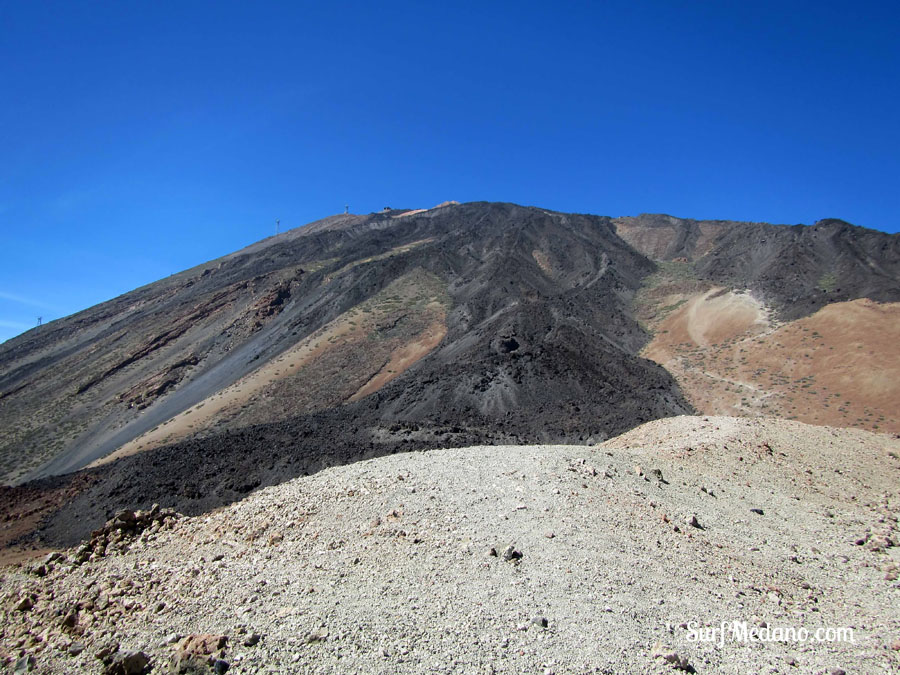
(479, 323)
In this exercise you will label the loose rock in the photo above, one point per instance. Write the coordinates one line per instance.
(128, 663)
(510, 553)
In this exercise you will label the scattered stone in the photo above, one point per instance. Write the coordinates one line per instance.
(76, 648)
(24, 604)
(220, 666)
(896, 646)
(758, 512)
(251, 640)
(693, 522)
(673, 658)
(128, 663)
(317, 635)
(121, 530)
(510, 553)
(107, 651)
(170, 639)
(657, 475)
(203, 644)
(540, 621)
(70, 619)
(197, 651)
(24, 664)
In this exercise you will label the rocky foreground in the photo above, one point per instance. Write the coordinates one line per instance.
(548, 559)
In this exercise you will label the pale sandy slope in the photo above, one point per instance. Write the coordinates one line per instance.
(388, 560)
(839, 366)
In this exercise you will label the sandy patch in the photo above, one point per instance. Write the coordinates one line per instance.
(417, 211)
(397, 250)
(543, 261)
(657, 240)
(409, 213)
(711, 317)
(840, 366)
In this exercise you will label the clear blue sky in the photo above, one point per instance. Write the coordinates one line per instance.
(140, 138)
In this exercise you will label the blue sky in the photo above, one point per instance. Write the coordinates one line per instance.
(141, 138)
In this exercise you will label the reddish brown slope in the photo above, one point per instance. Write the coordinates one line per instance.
(840, 366)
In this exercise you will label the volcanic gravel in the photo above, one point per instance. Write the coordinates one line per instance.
(548, 559)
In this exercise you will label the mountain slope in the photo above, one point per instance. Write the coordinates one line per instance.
(755, 319)
(537, 340)
(465, 324)
(797, 269)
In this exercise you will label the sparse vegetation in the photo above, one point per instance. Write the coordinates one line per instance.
(828, 282)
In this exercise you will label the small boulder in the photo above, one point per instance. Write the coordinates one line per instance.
(198, 652)
(510, 553)
(252, 640)
(24, 664)
(674, 659)
(317, 635)
(107, 651)
(70, 619)
(128, 663)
